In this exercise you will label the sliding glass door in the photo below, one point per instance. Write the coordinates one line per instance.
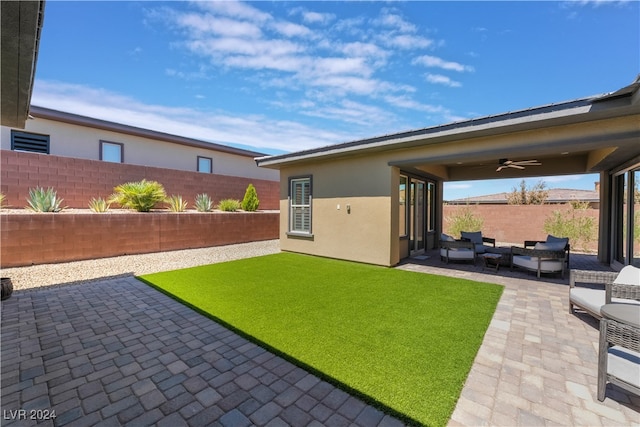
(626, 231)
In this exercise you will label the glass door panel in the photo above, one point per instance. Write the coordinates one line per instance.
(635, 219)
(417, 216)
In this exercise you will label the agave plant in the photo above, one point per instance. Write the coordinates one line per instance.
(141, 196)
(203, 203)
(229, 205)
(41, 200)
(99, 205)
(176, 204)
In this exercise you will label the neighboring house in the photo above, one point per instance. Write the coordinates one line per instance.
(379, 200)
(107, 154)
(555, 196)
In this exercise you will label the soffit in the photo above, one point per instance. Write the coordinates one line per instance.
(20, 39)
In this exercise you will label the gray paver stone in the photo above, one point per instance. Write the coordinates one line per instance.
(266, 413)
(208, 396)
(235, 418)
(295, 416)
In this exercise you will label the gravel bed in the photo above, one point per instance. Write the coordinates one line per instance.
(37, 276)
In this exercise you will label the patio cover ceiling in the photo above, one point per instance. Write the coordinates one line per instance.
(21, 27)
(582, 136)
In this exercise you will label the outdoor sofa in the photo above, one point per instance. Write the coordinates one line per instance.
(550, 256)
(456, 250)
(604, 287)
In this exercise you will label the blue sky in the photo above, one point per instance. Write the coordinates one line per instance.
(283, 76)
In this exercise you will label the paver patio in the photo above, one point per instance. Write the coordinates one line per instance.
(118, 352)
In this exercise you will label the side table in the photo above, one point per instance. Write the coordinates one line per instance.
(491, 260)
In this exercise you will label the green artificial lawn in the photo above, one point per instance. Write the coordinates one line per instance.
(403, 341)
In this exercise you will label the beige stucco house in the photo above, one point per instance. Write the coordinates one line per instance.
(379, 200)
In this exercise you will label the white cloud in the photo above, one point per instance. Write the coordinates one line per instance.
(214, 126)
(202, 25)
(442, 80)
(290, 29)
(395, 21)
(434, 61)
(406, 41)
(318, 18)
(235, 9)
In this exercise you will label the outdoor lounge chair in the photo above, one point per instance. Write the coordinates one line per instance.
(606, 287)
(477, 239)
(552, 242)
(456, 250)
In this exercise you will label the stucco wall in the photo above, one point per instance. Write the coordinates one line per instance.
(82, 142)
(31, 238)
(77, 181)
(361, 233)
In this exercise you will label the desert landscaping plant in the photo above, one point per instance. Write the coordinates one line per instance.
(41, 200)
(573, 222)
(463, 220)
(536, 195)
(2, 197)
(176, 204)
(229, 205)
(203, 203)
(141, 196)
(250, 202)
(99, 205)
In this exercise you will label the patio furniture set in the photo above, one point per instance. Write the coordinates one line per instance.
(614, 299)
(549, 256)
(611, 297)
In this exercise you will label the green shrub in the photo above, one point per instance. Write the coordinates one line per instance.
(572, 223)
(41, 200)
(250, 202)
(141, 196)
(203, 203)
(463, 220)
(99, 205)
(176, 204)
(229, 205)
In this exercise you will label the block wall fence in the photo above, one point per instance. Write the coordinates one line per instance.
(30, 238)
(77, 181)
(514, 223)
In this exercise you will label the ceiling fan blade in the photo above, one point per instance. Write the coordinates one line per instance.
(527, 162)
(516, 166)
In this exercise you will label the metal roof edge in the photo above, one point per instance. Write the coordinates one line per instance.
(77, 119)
(485, 122)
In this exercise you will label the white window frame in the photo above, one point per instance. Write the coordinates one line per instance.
(297, 207)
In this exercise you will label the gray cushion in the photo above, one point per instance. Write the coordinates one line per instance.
(457, 253)
(624, 364)
(447, 238)
(475, 236)
(550, 246)
(531, 263)
(554, 239)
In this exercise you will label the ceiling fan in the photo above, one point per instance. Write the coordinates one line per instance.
(516, 164)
